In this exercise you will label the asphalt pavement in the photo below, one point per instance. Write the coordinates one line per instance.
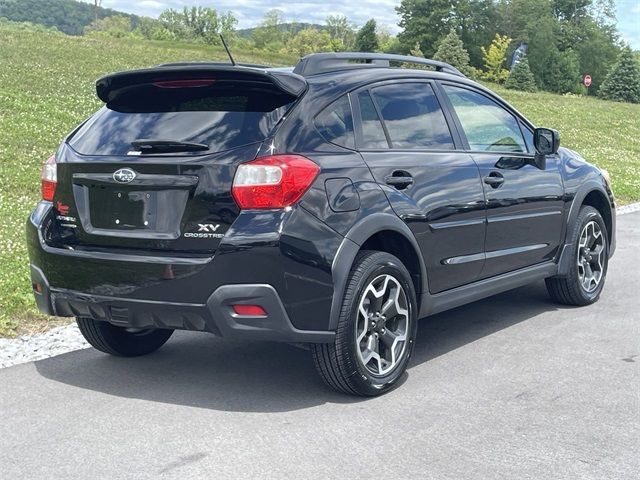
(511, 387)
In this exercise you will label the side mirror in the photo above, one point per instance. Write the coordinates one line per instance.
(546, 142)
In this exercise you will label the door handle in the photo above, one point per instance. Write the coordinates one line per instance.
(399, 179)
(494, 179)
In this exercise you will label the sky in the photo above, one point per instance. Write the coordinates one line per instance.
(250, 12)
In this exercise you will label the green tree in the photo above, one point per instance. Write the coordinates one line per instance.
(451, 50)
(424, 22)
(309, 40)
(115, 26)
(366, 39)
(562, 73)
(495, 58)
(428, 21)
(387, 43)
(623, 82)
(521, 78)
(199, 24)
(341, 31)
(271, 33)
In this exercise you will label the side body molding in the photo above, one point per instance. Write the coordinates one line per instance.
(355, 238)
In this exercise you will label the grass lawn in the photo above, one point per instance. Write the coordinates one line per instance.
(47, 88)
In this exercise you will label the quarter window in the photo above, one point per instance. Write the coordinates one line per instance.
(335, 123)
(373, 136)
(413, 116)
(487, 126)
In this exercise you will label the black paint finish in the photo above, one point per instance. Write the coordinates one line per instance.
(475, 223)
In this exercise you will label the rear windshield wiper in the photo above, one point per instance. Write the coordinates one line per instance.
(149, 145)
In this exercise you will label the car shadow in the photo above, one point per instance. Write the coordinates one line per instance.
(203, 371)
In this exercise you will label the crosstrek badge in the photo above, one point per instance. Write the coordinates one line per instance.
(205, 230)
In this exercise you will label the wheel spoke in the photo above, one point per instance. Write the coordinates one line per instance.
(390, 308)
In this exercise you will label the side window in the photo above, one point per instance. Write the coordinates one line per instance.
(372, 132)
(413, 116)
(336, 124)
(487, 125)
(528, 137)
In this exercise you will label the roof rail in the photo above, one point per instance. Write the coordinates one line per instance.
(333, 61)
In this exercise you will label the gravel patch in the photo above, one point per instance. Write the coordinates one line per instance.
(29, 348)
(632, 207)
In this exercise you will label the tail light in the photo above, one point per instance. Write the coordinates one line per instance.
(49, 178)
(276, 181)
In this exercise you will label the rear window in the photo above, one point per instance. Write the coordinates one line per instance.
(222, 115)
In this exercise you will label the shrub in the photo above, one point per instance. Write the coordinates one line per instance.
(495, 58)
(521, 77)
(623, 81)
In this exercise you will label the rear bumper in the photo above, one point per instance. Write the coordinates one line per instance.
(215, 316)
(279, 260)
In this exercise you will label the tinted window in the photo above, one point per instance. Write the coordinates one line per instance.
(413, 116)
(222, 115)
(335, 123)
(486, 124)
(528, 137)
(372, 131)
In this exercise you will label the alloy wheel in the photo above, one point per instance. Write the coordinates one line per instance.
(382, 325)
(591, 250)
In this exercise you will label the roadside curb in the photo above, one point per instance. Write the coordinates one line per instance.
(632, 207)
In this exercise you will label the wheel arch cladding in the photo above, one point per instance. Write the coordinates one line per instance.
(592, 194)
(597, 199)
(381, 232)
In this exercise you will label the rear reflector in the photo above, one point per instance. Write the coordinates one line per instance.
(49, 178)
(202, 82)
(276, 181)
(250, 310)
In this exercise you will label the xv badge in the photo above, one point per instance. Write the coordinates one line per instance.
(208, 227)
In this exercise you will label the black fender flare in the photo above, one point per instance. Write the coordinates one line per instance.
(564, 263)
(350, 246)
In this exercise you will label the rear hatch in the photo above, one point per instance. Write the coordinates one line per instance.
(153, 169)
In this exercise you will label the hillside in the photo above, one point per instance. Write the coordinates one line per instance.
(290, 27)
(68, 16)
(47, 87)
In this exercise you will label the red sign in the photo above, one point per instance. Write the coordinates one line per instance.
(587, 80)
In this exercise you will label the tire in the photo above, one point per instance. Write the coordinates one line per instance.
(349, 364)
(120, 341)
(575, 289)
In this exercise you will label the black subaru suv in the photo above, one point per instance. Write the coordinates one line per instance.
(332, 204)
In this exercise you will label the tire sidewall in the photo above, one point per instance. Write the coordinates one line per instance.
(369, 383)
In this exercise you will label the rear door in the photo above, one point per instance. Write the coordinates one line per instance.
(405, 138)
(154, 167)
(524, 203)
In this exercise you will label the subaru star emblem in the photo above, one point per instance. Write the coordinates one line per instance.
(124, 175)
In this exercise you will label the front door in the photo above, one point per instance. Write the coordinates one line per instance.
(406, 140)
(524, 203)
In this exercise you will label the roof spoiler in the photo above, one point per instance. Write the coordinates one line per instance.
(110, 86)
